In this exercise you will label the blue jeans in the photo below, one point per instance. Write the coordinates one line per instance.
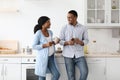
(52, 68)
(80, 63)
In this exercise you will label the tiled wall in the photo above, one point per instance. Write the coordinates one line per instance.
(104, 41)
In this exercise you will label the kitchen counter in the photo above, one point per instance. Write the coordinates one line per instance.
(94, 55)
(102, 55)
(19, 55)
(100, 64)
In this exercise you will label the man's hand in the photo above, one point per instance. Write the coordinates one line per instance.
(71, 42)
(77, 41)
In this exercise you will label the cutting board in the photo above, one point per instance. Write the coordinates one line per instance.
(8, 46)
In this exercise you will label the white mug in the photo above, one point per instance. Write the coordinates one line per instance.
(56, 40)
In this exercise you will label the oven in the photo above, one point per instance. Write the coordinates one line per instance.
(28, 68)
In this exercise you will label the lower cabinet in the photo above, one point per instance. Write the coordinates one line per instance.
(62, 68)
(12, 71)
(63, 73)
(97, 68)
(1, 72)
(9, 69)
(113, 68)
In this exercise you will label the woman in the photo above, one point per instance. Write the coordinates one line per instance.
(44, 45)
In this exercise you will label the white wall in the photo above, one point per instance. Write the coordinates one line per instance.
(19, 25)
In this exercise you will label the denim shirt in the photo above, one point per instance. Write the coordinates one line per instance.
(67, 33)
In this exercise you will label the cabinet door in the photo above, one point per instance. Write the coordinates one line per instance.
(96, 72)
(63, 73)
(115, 11)
(12, 71)
(95, 11)
(1, 71)
(102, 13)
(62, 68)
(113, 65)
(96, 68)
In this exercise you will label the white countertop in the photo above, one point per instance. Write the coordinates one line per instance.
(94, 55)
(103, 55)
(18, 55)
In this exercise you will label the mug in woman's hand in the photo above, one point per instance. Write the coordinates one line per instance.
(56, 40)
(50, 43)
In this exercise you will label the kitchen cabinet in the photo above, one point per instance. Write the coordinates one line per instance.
(97, 69)
(62, 68)
(63, 73)
(112, 66)
(10, 69)
(1, 72)
(102, 13)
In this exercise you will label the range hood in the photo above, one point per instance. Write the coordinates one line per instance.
(10, 5)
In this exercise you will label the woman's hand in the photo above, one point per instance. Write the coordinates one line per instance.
(47, 44)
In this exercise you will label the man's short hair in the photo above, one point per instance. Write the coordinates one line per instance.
(73, 12)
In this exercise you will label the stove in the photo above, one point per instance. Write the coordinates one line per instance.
(28, 68)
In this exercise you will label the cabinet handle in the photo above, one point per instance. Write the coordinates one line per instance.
(104, 70)
(5, 71)
(30, 66)
(97, 60)
(106, 18)
(5, 60)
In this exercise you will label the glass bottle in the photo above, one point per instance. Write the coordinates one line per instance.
(113, 5)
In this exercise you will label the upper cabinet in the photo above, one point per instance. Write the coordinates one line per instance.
(102, 13)
(115, 11)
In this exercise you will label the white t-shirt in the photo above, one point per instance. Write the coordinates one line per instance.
(51, 48)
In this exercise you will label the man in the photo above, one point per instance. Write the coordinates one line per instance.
(73, 37)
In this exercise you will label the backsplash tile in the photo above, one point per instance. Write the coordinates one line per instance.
(104, 41)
